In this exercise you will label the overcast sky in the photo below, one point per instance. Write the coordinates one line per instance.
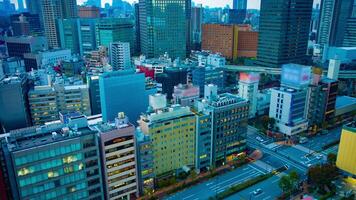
(210, 3)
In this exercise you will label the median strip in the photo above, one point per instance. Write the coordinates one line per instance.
(241, 186)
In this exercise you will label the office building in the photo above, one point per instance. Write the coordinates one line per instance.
(43, 105)
(14, 103)
(289, 102)
(203, 139)
(118, 153)
(110, 30)
(239, 4)
(88, 12)
(336, 22)
(331, 89)
(229, 115)
(60, 160)
(208, 75)
(346, 156)
(171, 77)
(145, 168)
(72, 98)
(88, 36)
(119, 54)
(96, 3)
(69, 35)
(196, 23)
(172, 130)
(237, 16)
(164, 27)
(283, 32)
(26, 24)
(73, 67)
(232, 41)
(123, 91)
(53, 10)
(43, 59)
(185, 95)
(12, 65)
(248, 89)
(94, 94)
(18, 46)
(137, 28)
(350, 32)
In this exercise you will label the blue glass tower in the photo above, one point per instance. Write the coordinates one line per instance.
(123, 91)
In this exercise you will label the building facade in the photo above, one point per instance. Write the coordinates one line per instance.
(172, 130)
(346, 159)
(69, 35)
(119, 53)
(283, 23)
(248, 89)
(164, 27)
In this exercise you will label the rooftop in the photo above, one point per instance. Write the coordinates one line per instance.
(345, 101)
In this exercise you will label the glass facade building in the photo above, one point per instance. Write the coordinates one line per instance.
(283, 32)
(56, 161)
(164, 26)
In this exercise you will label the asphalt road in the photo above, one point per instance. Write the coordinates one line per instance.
(218, 184)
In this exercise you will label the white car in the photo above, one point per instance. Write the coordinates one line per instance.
(257, 191)
(258, 138)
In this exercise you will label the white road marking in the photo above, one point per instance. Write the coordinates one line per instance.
(187, 197)
(269, 197)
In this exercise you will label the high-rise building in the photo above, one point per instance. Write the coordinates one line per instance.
(43, 105)
(350, 32)
(53, 10)
(88, 35)
(288, 104)
(248, 88)
(96, 3)
(110, 30)
(196, 23)
(346, 156)
(119, 54)
(232, 41)
(94, 94)
(60, 160)
(26, 24)
(137, 28)
(172, 130)
(171, 77)
(229, 115)
(283, 32)
(208, 75)
(164, 27)
(123, 91)
(14, 103)
(118, 153)
(18, 46)
(335, 22)
(88, 12)
(240, 4)
(72, 98)
(69, 35)
(145, 168)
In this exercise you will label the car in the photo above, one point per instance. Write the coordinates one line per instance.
(258, 138)
(319, 157)
(309, 165)
(303, 140)
(257, 191)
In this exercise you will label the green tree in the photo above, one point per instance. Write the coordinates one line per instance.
(285, 184)
(332, 158)
(321, 175)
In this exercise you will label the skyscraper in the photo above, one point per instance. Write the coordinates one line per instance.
(53, 10)
(70, 35)
(163, 26)
(240, 4)
(114, 30)
(196, 24)
(119, 53)
(333, 20)
(283, 32)
(96, 3)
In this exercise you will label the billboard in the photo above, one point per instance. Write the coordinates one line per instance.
(295, 76)
(249, 77)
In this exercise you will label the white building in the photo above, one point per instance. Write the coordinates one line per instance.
(288, 107)
(334, 68)
(248, 89)
(119, 53)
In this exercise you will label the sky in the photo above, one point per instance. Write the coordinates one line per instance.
(211, 3)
